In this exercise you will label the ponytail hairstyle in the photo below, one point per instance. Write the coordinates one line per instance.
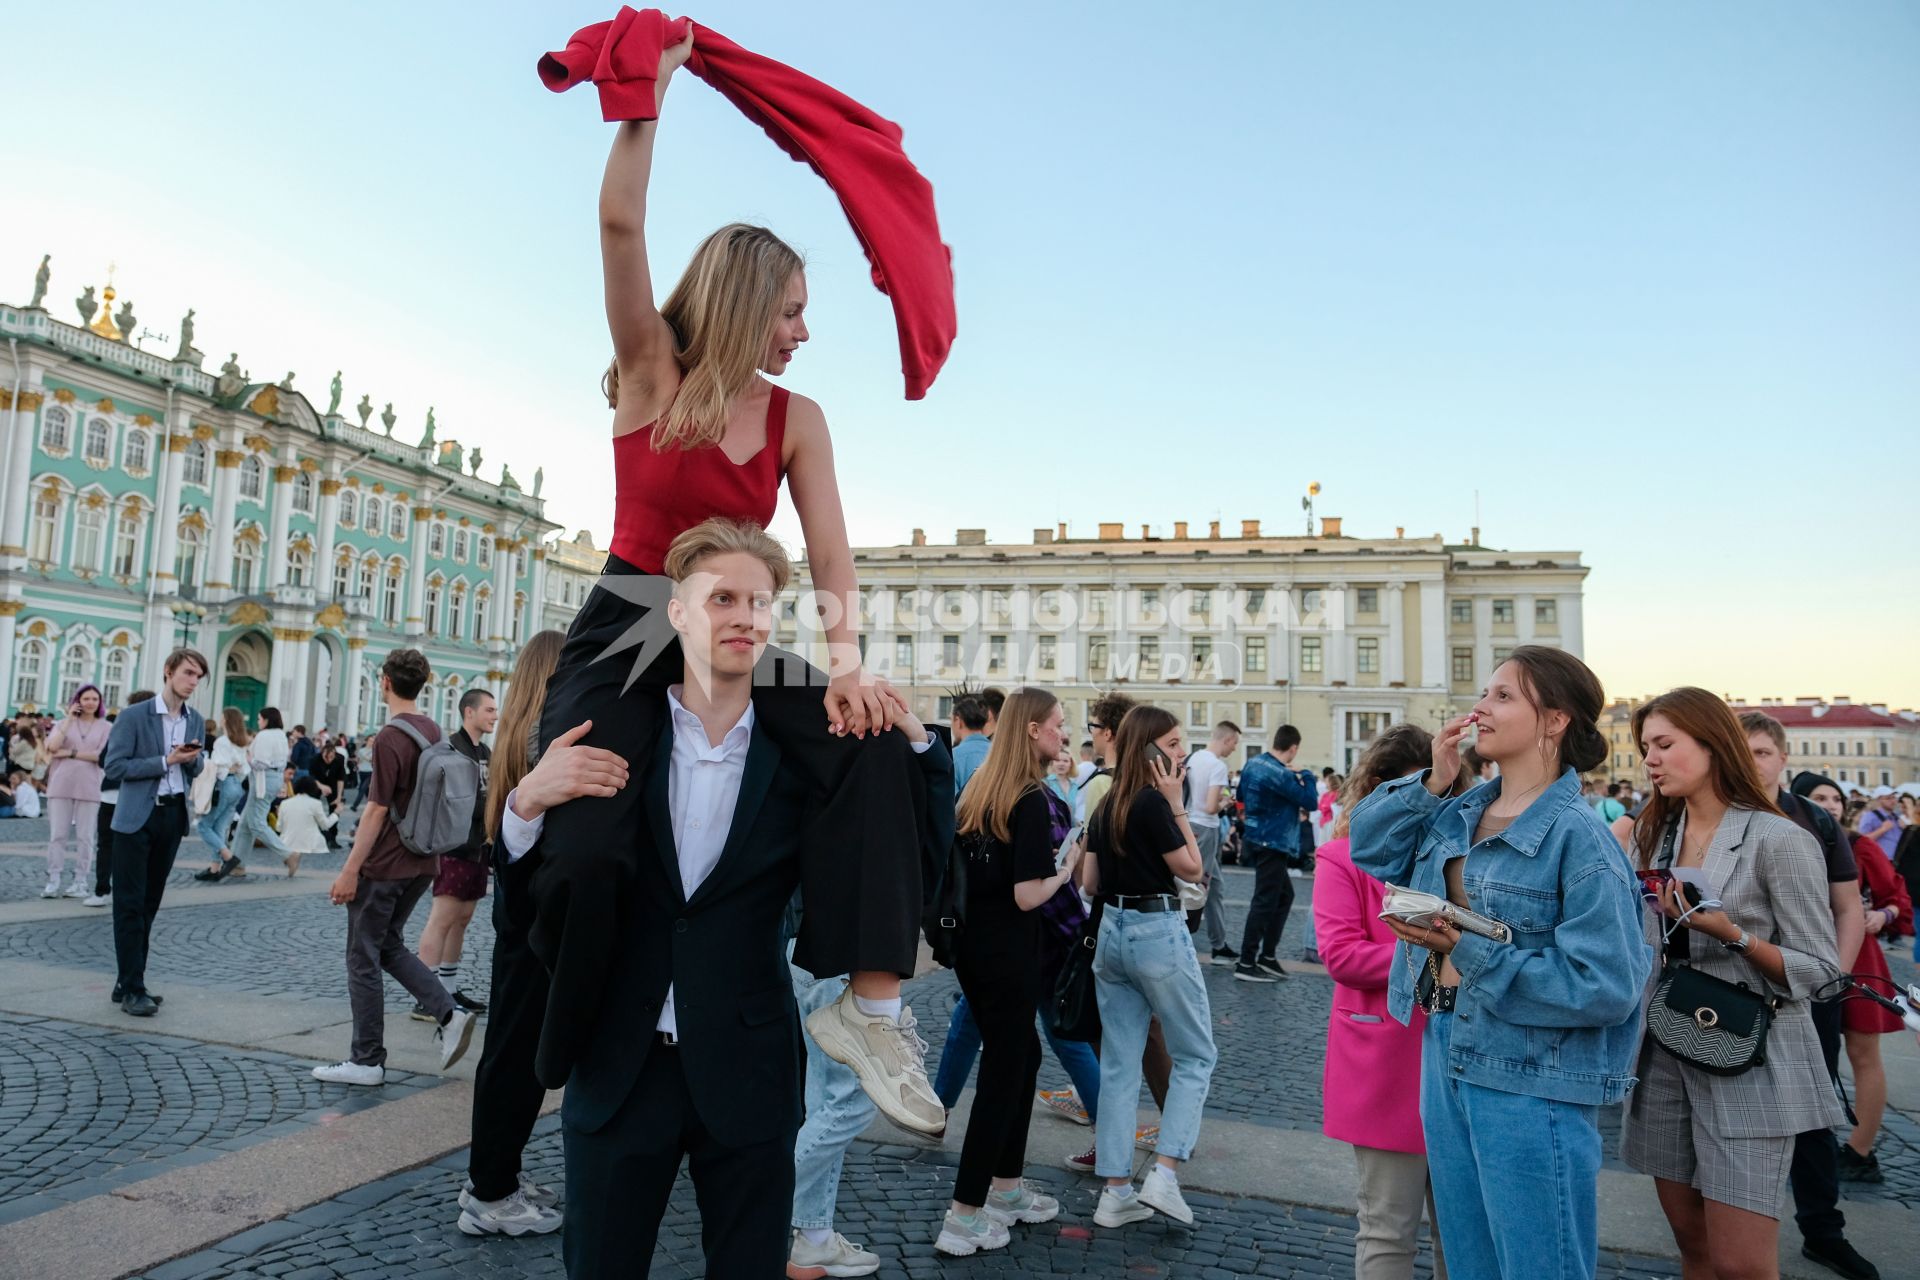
(1394, 753)
(1132, 771)
(519, 723)
(1011, 768)
(1732, 775)
(1555, 680)
(721, 314)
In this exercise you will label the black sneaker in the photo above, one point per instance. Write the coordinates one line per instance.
(120, 996)
(1836, 1255)
(1225, 955)
(1855, 1167)
(468, 1003)
(1244, 972)
(1271, 964)
(419, 1013)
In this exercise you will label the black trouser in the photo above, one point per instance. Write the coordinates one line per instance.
(860, 858)
(620, 1176)
(998, 968)
(506, 1093)
(141, 861)
(103, 852)
(1272, 901)
(1815, 1172)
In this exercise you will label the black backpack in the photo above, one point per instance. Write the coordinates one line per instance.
(945, 918)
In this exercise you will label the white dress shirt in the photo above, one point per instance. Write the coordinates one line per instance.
(173, 733)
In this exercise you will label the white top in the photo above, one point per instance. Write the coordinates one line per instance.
(228, 758)
(1084, 770)
(173, 732)
(269, 750)
(1205, 770)
(302, 819)
(26, 800)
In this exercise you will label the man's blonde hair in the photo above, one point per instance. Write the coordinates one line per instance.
(720, 536)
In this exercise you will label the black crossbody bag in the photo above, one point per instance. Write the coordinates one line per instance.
(1718, 1026)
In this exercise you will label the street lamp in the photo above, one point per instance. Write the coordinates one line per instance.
(188, 615)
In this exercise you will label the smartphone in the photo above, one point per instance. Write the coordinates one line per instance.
(1651, 880)
(1155, 753)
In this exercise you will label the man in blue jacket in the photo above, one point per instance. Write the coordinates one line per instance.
(1275, 795)
(152, 756)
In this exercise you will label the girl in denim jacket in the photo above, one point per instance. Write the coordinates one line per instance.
(1527, 1039)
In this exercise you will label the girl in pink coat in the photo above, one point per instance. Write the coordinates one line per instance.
(1372, 1083)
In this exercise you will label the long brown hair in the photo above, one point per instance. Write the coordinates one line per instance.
(1132, 773)
(234, 725)
(519, 719)
(1011, 768)
(1555, 680)
(1394, 753)
(1711, 723)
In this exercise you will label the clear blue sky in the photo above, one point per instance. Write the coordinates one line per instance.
(1645, 276)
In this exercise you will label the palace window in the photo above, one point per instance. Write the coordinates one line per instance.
(480, 601)
(1503, 611)
(369, 579)
(996, 654)
(303, 493)
(1049, 652)
(1367, 600)
(519, 616)
(1546, 611)
(433, 608)
(349, 508)
(137, 454)
(1461, 611)
(456, 614)
(299, 567)
(1256, 716)
(246, 558)
(186, 556)
(193, 464)
(485, 550)
(903, 653)
(1202, 658)
(1366, 652)
(397, 520)
(376, 516)
(1149, 657)
(949, 651)
(437, 539)
(126, 544)
(390, 601)
(113, 680)
(56, 431)
(1311, 662)
(28, 672)
(89, 533)
(460, 544)
(1097, 666)
(252, 478)
(342, 577)
(99, 450)
(73, 671)
(1256, 655)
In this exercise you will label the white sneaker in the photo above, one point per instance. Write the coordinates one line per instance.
(52, 890)
(514, 1216)
(1158, 1191)
(533, 1192)
(1115, 1212)
(77, 890)
(888, 1057)
(960, 1238)
(351, 1073)
(837, 1257)
(455, 1035)
(98, 900)
(1024, 1205)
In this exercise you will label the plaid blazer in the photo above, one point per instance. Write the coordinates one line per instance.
(1771, 878)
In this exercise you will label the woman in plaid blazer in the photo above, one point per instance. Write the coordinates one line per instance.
(1717, 1146)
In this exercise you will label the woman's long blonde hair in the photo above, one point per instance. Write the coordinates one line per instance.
(1012, 767)
(519, 722)
(234, 725)
(721, 313)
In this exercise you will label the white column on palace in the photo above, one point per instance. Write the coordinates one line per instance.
(1334, 613)
(415, 611)
(1573, 636)
(1482, 640)
(1523, 618)
(537, 593)
(502, 609)
(9, 626)
(324, 547)
(350, 685)
(1435, 670)
(226, 494)
(19, 499)
(280, 676)
(1396, 664)
(280, 518)
(171, 456)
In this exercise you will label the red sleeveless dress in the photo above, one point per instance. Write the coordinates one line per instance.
(659, 495)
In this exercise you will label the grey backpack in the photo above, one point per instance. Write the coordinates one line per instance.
(446, 787)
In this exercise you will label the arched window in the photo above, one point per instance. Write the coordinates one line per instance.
(519, 615)
(390, 601)
(299, 567)
(252, 478)
(349, 508)
(376, 512)
(343, 574)
(456, 613)
(45, 540)
(437, 540)
(369, 578)
(99, 449)
(89, 536)
(433, 608)
(486, 552)
(75, 664)
(186, 556)
(460, 545)
(397, 520)
(481, 599)
(28, 673)
(303, 493)
(193, 464)
(520, 563)
(135, 456)
(126, 543)
(56, 431)
(113, 680)
(246, 558)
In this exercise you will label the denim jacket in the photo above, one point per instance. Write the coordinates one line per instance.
(1274, 795)
(1556, 1013)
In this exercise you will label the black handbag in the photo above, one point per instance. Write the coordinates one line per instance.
(945, 917)
(1074, 1013)
(1718, 1026)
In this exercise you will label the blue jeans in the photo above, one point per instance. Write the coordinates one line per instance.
(1515, 1178)
(1145, 968)
(963, 1048)
(228, 794)
(838, 1111)
(253, 822)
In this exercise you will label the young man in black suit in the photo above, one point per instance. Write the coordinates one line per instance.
(696, 1051)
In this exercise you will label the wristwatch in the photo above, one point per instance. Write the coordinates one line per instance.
(1741, 944)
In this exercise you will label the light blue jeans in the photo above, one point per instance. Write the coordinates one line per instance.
(838, 1111)
(253, 821)
(1143, 968)
(1515, 1178)
(963, 1049)
(228, 794)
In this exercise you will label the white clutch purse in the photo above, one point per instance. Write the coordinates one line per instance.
(1421, 910)
(1193, 893)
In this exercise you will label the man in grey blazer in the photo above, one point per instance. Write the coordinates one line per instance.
(152, 755)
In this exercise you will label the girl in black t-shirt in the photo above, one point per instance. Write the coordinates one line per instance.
(1005, 821)
(1145, 966)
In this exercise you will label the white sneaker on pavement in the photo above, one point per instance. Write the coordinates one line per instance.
(98, 900)
(544, 1197)
(351, 1073)
(77, 890)
(1024, 1204)
(960, 1237)
(1160, 1192)
(455, 1034)
(839, 1256)
(1116, 1212)
(52, 890)
(514, 1216)
(888, 1057)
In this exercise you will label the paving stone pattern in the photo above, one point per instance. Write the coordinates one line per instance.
(891, 1200)
(84, 1108)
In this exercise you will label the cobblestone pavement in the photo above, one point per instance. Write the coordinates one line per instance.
(891, 1200)
(87, 1108)
(23, 866)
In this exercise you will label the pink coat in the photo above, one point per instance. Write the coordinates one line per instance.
(1372, 1082)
